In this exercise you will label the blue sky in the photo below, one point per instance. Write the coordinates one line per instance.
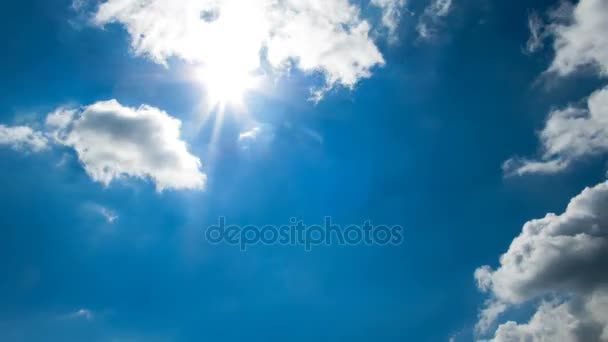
(450, 122)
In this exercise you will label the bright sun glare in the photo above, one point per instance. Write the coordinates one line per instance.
(231, 61)
(226, 85)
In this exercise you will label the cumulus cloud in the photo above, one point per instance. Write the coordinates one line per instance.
(569, 321)
(23, 138)
(555, 253)
(569, 134)
(432, 18)
(561, 256)
(112, 141)
(581, 40)
(236, 38)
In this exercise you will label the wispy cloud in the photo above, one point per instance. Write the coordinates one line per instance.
(537, 33)
(391, 15)
(256, 137)
(108, 214)
(23, 138)
(431, 19)
(80, 314)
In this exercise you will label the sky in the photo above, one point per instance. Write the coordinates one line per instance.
(127, 128)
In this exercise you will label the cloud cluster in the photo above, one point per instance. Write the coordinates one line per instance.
(113, 141)
(579, 40)
(555, 255)
(244, 37)
(560, 260)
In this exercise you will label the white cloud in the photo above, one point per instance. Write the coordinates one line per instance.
(537, 33)
(582, 39)
(112, 141)
(492, 308)
(109, 215)
(260, 135)
(391, 15)
(432, 18)
(568, 321)
(250, 134)
(569, 134)
(82, 314)
(22, 138)
(572, 133)
(60, 118)
(561, 256)
(238, 38)
(574, 240)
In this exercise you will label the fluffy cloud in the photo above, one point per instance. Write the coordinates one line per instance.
(432, 18)
(559, 321)
(23, 138)
(564, 256)
(582, 39)
(112, 140)
(238, 38)
(556, 253)
(569, 134)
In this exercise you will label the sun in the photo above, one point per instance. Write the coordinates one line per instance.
(226, 85)
(230, 65)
